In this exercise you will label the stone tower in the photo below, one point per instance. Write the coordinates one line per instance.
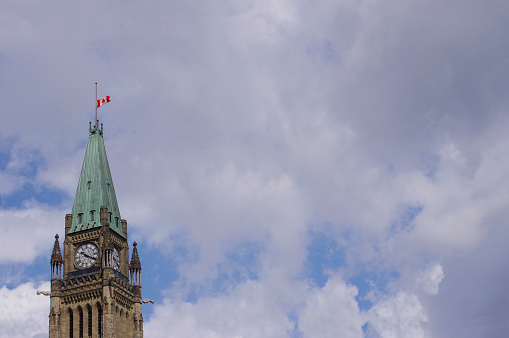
(95, 292)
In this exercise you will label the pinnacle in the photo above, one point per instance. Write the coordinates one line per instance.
(135, 259)
(56, 256)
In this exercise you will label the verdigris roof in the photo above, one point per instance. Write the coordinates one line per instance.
(95, 189)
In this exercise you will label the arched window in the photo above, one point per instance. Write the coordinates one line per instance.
(89, 310)
(99, 320)
(80, 311)
(71, 323)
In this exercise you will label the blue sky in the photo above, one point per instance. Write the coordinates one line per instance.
(287, 168)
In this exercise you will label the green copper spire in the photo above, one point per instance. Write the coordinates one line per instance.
(95, 189)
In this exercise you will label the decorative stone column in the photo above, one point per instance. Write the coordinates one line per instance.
(56, 284)
(135, 276)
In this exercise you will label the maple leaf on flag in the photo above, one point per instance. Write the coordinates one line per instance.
(103, 101)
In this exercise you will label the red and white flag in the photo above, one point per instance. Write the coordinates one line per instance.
(103, 101)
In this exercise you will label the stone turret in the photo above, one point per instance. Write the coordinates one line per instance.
(135, 274)
(56, 260)
(56, 283)
(135, 267)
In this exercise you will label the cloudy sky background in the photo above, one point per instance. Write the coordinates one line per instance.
(288, 168)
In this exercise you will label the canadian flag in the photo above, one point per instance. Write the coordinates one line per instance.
(103, 101)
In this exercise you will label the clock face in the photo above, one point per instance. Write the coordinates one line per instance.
(86, 255)
(116, 260)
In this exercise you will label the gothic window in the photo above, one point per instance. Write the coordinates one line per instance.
(116, 222)
(81, 322)
(70, 324)
(92, 214)
(88, 184)
(80, 218)
(99, 320)
(89, 310)
(110, 217)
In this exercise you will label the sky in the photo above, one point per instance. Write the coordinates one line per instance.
(288, 168)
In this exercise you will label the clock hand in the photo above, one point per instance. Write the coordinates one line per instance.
(84, 254)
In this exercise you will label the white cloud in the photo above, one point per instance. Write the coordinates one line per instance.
(24, 313)
(262, 309)
(399, 316)
(403, 315)
(247, 311)
(430, 278)
(332, 311)
(29, 232)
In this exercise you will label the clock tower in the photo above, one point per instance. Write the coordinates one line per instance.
(95, 291)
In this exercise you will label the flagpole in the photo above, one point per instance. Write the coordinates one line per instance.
(96, 105)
